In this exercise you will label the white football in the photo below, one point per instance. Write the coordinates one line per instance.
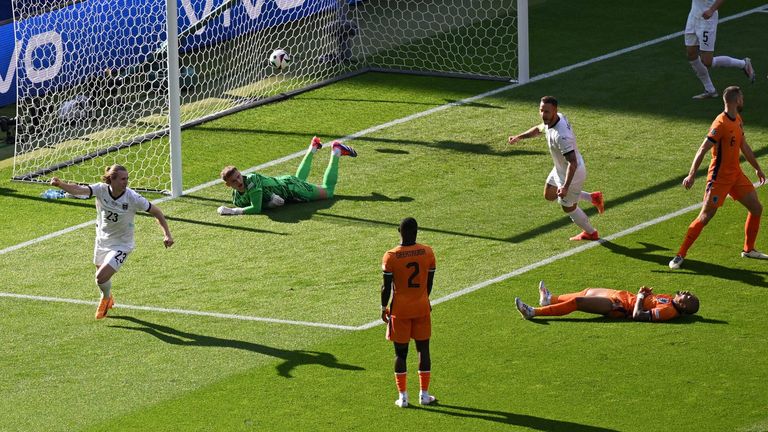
(279, 59)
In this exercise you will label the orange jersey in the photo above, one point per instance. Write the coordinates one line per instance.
(727, 135)
(659, 305)
(410, 267)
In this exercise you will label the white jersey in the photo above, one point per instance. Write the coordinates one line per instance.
(699, 6)
(114, 220)
(561, 140)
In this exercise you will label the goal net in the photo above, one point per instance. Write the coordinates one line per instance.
(93, 76)
(467, 38)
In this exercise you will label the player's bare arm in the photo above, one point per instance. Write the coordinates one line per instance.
(638, 314)
(74, 189)
(158, 214)
(573, 164)
(703, 149)
(746, 150)
(530, 133)
(386, 293)
(707, 14)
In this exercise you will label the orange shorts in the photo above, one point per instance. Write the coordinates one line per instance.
(402, 330)
(716, 191)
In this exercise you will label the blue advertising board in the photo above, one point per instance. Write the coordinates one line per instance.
(71, 44)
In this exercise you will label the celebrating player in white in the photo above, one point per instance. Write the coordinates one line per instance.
(700, 35)
(116, 206)
(566, 179)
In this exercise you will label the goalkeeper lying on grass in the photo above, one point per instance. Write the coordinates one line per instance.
(253, 192)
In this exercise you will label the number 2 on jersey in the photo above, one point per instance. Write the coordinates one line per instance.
(411, 283)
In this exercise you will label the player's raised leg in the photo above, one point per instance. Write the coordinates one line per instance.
(306, 164)
(331, 176)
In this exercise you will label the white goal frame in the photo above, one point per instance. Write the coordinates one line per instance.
(340, 69)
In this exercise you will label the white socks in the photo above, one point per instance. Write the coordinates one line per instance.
(582, 220)
(585, 196)
(703, 74)
(725, 61)
(106, 289)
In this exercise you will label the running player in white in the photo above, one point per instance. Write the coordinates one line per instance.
(566, 179)
(116, 206)
(700, 35)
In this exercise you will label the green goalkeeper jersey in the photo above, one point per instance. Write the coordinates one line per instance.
(259, 190)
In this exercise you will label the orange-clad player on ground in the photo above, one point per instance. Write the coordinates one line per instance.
(727, 141)
(643, 306)
(409, 271)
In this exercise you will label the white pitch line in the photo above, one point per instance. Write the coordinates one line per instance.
(364, 132)
(182, 311)
(550, 260)
(403, 120)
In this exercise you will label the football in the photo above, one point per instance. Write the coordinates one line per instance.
(279, 59)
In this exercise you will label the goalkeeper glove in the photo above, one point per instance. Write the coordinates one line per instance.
(226, 211)
(275, 201)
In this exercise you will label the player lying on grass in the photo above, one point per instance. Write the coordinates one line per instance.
(253, 192)
(643, 306)
(116, 206)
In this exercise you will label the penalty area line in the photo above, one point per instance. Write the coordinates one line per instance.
(182, 312)
(763, 8)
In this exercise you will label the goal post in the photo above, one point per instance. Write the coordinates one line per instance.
(115, 82)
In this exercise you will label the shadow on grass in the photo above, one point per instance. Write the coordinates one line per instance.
(690, 267)
(685, 319)
(531, 422)
(90, 204)
(292, 358)
(297, 212)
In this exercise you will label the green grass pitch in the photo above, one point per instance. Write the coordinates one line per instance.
(479, 204)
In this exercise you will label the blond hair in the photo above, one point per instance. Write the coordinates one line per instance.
(227, 171)
(111, 172)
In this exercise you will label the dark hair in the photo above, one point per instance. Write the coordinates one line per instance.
(692, 306)
(549, 100)
(408, 229)
(730, 94)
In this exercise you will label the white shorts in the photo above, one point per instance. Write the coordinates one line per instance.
(574, 190)
(701, 32)
(115, 256)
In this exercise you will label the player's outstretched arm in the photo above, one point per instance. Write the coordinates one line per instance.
(72, 188)
(158, 214)
(530, 133)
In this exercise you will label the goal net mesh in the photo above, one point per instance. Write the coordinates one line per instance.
(92, 81)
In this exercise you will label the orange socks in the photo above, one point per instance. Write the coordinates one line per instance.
(565, 297)
(424, 380)
(694, 229)
(751, 228)
(400, 380)
(558, 309)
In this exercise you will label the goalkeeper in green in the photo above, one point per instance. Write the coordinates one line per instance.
(253, 192)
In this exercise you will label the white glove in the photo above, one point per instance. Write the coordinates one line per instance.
(275, 201)
(226, 211)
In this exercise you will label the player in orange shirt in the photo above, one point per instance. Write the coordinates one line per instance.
(409, 271)
(727, 141)
(643, 306)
